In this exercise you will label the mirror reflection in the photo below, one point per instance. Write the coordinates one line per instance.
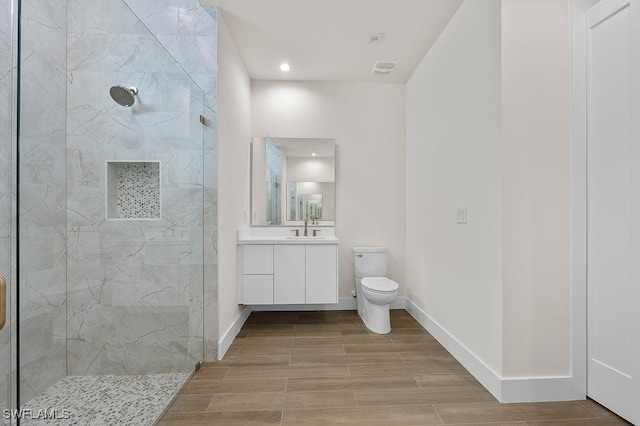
(293, 181)
(304, 201)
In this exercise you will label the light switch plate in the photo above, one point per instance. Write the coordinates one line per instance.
(461, 214)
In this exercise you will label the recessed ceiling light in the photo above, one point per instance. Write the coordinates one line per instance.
(285, 67)
(313, 153)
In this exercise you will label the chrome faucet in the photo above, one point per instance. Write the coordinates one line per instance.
(306, 234)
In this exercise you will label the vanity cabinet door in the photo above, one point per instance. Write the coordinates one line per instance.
(258, 289)
(322, 274)
(288, 274)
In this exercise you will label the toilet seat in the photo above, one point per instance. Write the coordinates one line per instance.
(381, 285)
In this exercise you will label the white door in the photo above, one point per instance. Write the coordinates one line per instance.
(613, 207)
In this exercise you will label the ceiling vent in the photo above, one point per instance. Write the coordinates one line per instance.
(383, 67)
(376, 38)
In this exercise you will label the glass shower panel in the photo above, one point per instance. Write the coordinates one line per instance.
(42, 230)
(7, 254)
(112, 198)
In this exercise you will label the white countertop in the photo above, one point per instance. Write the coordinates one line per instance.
(268, 239)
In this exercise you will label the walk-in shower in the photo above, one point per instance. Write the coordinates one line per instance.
(107, 214)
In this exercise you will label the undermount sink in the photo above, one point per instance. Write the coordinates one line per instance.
(305, 238)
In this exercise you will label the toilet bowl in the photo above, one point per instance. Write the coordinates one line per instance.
(374, 290)
(379, 292)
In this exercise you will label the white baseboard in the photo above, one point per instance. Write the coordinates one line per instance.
(512, 389)
(225, 342)
(344, 304)
(485, 375)
(541, 389)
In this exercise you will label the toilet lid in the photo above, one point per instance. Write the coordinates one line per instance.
(380, 284)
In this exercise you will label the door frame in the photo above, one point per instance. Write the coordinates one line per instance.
(578, 155)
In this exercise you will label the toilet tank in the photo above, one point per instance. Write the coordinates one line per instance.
(370, 261)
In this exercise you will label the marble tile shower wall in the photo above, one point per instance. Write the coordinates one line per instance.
(135, 288)
(42, 284)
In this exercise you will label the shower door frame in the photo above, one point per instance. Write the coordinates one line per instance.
(8, 236)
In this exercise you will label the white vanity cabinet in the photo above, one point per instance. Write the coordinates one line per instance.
(287, 273)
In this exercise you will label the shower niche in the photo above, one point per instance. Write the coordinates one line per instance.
(133, 190)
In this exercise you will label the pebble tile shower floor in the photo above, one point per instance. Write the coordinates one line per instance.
(108, 400)
(324, 368)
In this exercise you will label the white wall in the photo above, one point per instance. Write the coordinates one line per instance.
(367, 122)
(453, 159)
(488, 128)
(536, 168)
(234, 133)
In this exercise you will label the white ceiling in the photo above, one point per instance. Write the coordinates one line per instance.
(327, 40)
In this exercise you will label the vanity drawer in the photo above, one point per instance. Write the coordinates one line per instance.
(258, 289)
(257, 259)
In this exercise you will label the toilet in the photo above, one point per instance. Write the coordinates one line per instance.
(374, 290)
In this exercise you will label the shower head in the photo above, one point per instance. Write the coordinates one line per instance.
(124, 96)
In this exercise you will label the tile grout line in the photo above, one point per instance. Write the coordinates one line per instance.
(417, 382)
(606, 415)
(206, 410)
(565, 419)
(437, 414)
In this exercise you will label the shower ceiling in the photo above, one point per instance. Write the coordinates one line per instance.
(329, 40)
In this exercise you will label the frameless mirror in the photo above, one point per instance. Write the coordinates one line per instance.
(293, 180)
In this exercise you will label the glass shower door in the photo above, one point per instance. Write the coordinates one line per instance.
(7, 143)
(111, 209)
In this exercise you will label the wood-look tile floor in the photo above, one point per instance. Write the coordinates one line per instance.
(323, 368)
